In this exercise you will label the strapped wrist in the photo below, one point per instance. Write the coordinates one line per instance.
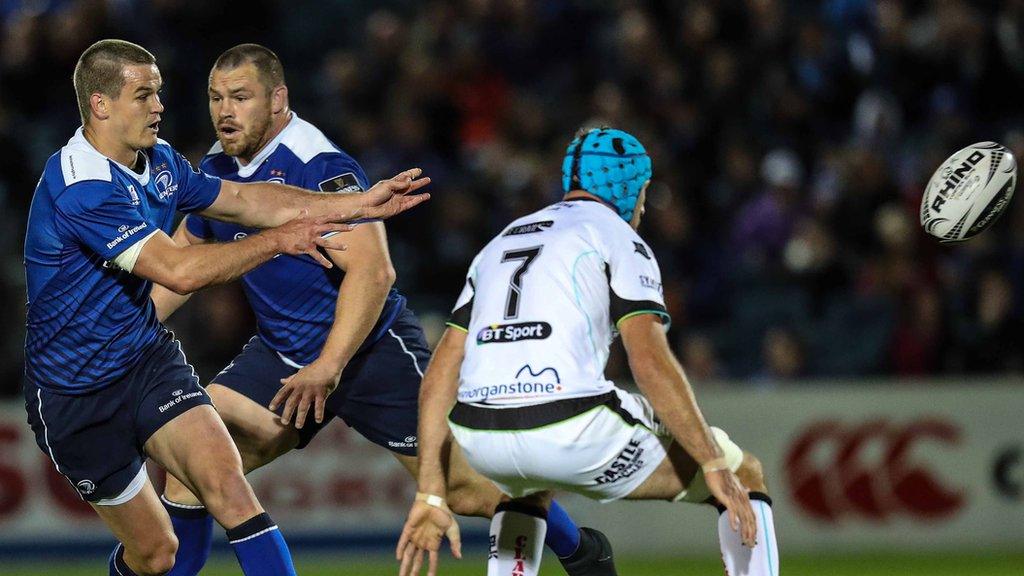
(715, 465)
(433, 500)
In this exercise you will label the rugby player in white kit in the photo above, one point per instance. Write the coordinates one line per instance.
(523, 360)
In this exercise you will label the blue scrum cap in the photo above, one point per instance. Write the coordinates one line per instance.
(610, 164)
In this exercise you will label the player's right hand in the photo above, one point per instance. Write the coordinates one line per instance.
(727, 489)
(303, 235)
(307, 388)
(421, 534)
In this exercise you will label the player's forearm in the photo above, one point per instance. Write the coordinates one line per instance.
(661, 379)
(166, 301)
(437, 396)
(195, 267)
(363, 292)
(267, 204)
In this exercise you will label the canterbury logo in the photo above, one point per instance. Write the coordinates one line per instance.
(837, 470)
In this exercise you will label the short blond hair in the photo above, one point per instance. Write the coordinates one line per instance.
(101, 69)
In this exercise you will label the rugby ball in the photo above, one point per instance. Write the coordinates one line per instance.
(969, 192)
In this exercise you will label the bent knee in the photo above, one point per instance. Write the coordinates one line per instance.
(157, 558)
(259, 436)
(751, 473)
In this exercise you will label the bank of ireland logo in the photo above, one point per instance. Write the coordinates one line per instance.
(867, 470)
(86, 487)
(407, 442)
(277, 180)
(165, 186)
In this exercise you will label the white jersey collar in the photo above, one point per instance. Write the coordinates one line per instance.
(79, 140)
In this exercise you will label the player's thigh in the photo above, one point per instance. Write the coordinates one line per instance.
(670, 477)
(143, 528)
(678, 476)
(410, 463)
(210, 468)
(256, 431)
(175, 447)
(469, 492)
(242, 393)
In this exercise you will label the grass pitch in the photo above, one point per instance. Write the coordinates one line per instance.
(939, 564)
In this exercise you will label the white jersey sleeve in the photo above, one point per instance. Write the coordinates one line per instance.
(634, 278)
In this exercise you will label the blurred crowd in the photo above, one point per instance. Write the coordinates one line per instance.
(791, 141)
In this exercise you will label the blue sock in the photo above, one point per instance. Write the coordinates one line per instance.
(260, 548)
(116, 563)
(193, 526)
(563, 535)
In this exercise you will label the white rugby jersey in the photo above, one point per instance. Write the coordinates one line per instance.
(542, 300)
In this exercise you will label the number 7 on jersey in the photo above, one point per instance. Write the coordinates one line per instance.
(515, 284)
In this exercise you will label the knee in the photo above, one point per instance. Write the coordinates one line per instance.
(158, 558)
(751, 474)
(225, 488)
(256, 452)
(473, 498)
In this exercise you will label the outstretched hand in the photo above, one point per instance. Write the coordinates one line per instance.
(302, 235)
(421, 534)
(394, 196)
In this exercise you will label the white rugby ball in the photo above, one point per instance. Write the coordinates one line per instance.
(969, 192)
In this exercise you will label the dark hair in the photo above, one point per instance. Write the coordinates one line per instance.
(101, 69)
(267, 64)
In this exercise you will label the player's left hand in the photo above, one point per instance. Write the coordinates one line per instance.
(310, 386)
(395, 195)
(422, 532)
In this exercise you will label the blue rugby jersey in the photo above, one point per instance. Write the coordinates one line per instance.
(88, 321)
(293, 297)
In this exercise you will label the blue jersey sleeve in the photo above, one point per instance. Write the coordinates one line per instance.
(198, 226)
(198, 189)
(334, 172)
(102, 217)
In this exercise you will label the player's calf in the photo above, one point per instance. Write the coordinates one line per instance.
(751, 474)
(593, 556)
(517, 535)
(473, 495)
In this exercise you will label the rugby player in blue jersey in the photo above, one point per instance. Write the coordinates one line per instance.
(330, 343)
(106, 385)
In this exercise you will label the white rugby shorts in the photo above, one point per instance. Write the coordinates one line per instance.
(604, 452)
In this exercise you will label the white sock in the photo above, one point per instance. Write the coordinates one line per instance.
(762, 559)
(517, 541)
